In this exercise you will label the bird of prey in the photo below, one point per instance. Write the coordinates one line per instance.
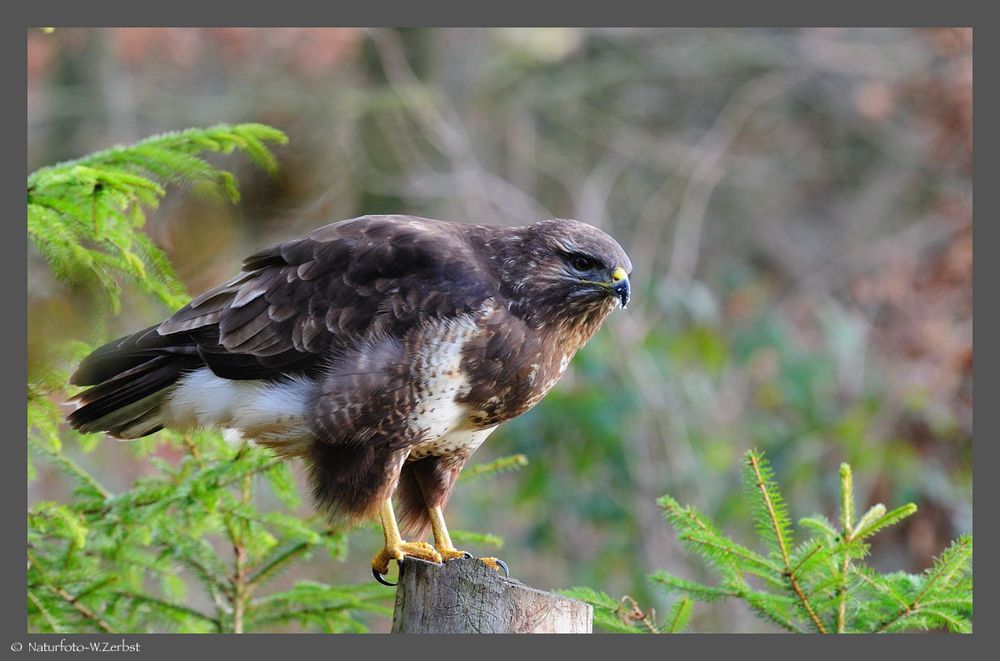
(381, 350)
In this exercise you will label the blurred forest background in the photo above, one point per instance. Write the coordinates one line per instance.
(797, 205)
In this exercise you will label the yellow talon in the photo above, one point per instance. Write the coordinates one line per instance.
(442, 542)
(495, 564)
(452, 554)
(422, 550)
(395, 548)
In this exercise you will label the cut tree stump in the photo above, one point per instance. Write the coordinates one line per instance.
(466, 596)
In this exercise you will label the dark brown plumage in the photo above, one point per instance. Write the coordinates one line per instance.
(382, 350)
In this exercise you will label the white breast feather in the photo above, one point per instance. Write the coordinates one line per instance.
(438, 417)
(463, 439)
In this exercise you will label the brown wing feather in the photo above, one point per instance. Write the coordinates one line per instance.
(301, 301)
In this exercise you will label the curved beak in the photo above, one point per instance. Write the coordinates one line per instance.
(620, 286)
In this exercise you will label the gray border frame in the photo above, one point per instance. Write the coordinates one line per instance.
(442, 14)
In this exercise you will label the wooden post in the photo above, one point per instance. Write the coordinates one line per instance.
(466, 596)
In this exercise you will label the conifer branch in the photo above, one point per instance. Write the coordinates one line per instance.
(806, 558)
(847, 526)
(53, 624)
(679, 615)
(69, 598)
(166, 605)
(237, 537)
(846, 498)
(500, 465)
(692, 588)
(822, 580)
(953, 562)
(275, 564)
(879, 587)
(754, 461)
(879, 519)
(71, 467)
(83, 214)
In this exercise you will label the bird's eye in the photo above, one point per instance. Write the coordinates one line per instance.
(581, 262)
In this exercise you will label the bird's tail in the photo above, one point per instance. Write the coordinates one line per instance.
(131, 377)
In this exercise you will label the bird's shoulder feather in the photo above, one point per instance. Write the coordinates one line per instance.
(298, 302)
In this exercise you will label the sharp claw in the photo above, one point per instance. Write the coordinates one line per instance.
(378, 577)
(506, 569)
(468, 556)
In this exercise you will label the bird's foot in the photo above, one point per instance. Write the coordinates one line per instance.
(493, 563)
(496, 564)
(453, 554)
(421, 550)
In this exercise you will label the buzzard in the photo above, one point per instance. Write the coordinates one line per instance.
(381, 350)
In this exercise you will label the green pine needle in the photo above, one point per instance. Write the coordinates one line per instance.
(679, 615)
(506, 464)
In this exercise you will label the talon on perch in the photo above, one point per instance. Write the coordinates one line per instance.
(442, 551)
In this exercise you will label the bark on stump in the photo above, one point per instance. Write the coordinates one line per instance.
(466, 596)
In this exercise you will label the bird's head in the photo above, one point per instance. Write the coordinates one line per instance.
(568, 269)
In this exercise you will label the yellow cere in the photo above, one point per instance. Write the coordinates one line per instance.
(618, 275)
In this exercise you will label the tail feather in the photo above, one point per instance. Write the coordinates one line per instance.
(129, 422)
(131, 378)
(127, 352)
